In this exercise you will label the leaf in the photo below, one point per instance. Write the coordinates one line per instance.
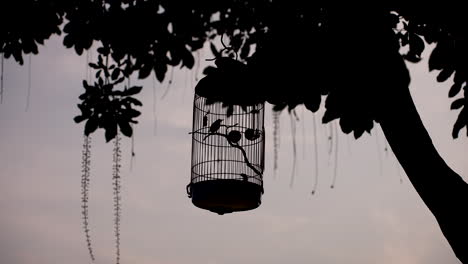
(86, 85)
(234, 136)
(230, 110)
(40, 41)
(197, 44)
(457, 103)
(445, 74)
(215, 126)
(18, 56)
(106, 72)
(279, 107)
(329, 116)
(131, 113)
(145, 71)
(440, 55)
(245, 51)
(210, 101)
(91, 126)
(121, 79)
(460, 76)
(132, 90)
(115, 74)
(83, 96)
(83, 107)
(368, 125)
(416, 44)
(79, 119)
(229, 65)
(128, 69)
(412, 57)
(103, 50)
(78, 48)
(214, 50)
(68, 40)
(358, 132)
(462, 121)
(101, 62)
(313, 103)
(205, 121)
(346, 125)
(125, 128)
(188, 60)
(131, 100)
(160, 69)
(210, 70)
(117, 93)
(111, 131)
(404, 39)
(94, 66)
(107, 88)
(236, 42)
(175, 56)
(455, 89)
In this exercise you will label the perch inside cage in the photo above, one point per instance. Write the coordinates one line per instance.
(228, 149)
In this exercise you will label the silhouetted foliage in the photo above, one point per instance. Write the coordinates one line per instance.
(305, 49)
(286, 53)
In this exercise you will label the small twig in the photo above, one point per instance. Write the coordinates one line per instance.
(225, 48)
(222, 43)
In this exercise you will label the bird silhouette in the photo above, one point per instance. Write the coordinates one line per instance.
(215, 126)
(252, 134)
(234, 136)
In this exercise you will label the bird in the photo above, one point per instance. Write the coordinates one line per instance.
(215, 126)
(234, 136)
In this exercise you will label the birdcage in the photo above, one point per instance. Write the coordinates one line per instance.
(228, 149)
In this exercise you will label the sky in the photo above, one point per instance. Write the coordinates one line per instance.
(372, 215)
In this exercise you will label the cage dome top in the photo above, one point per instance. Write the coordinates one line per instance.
(231, 82)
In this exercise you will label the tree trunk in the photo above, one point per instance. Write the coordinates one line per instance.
(443, 191)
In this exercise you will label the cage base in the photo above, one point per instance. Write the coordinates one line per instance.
(226, 196)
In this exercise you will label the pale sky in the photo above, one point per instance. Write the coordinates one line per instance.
(369, 217)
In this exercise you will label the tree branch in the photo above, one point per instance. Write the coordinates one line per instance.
(443, 191)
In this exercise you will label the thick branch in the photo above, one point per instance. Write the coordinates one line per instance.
(443, 191)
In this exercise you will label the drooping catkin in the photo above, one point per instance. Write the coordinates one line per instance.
(117, 157)
(85, 180)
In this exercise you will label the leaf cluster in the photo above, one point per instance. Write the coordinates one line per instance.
(104, 106)
(444, 26)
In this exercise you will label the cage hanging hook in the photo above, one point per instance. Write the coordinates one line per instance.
(225, 48)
